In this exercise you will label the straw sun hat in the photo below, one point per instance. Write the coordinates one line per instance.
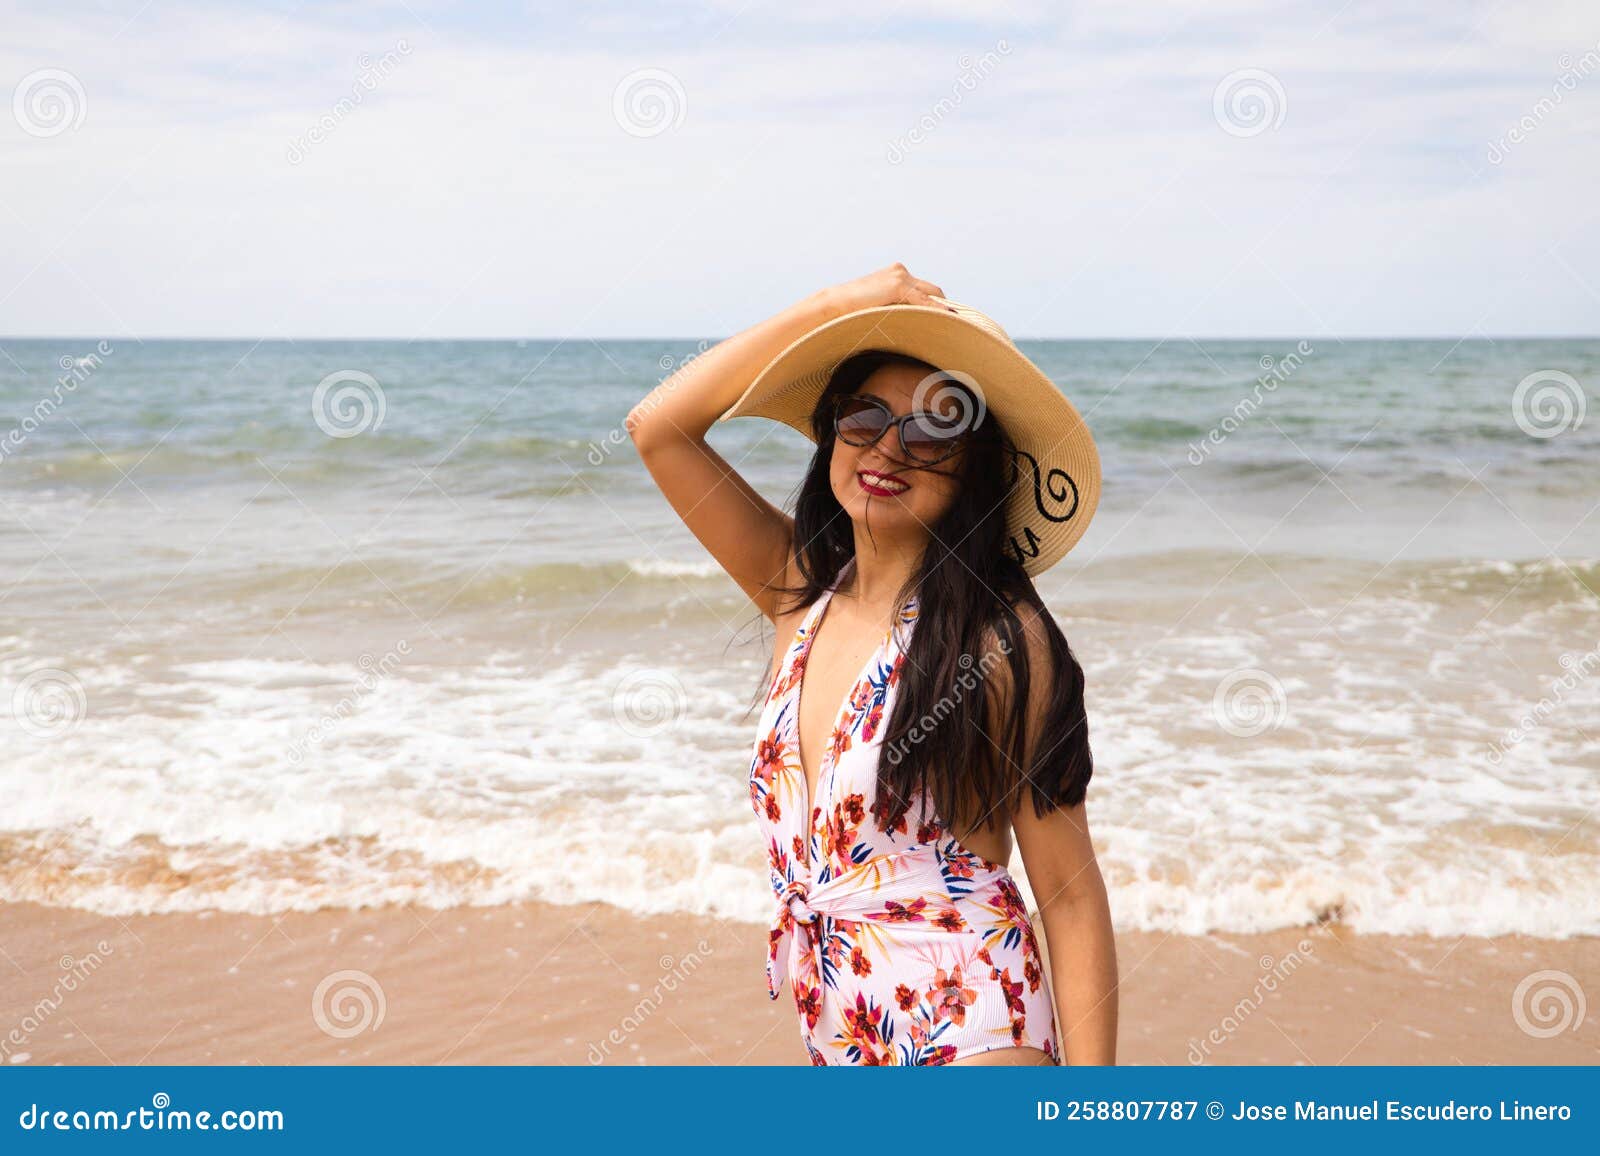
(1055, 483)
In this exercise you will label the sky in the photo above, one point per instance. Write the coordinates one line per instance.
(422, 171)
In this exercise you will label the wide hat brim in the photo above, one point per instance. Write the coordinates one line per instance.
(1056, 480)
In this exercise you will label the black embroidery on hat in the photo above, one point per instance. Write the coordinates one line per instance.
(1017, 549)
(1056, 485)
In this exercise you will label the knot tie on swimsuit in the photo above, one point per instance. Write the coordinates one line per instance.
(794, 898)
(903, 894)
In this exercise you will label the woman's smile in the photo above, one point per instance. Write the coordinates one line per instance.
(880, 484)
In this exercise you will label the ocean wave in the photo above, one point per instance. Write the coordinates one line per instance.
(263, 785)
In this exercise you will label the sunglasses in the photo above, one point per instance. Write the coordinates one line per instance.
(925, 438)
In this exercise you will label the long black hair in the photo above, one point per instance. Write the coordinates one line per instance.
(953, 736)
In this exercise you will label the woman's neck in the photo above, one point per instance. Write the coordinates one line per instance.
(881, 572)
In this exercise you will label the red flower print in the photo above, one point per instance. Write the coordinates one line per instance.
(873, 720)
(904, 913)
(773, 812)
(949, 998)
(862, 1022)
(958, 866)
(950, 920)
(904, 996)
(809, 1001)
(839, 742)
(853, 808)
(1031, 972)
(859, 963)
(769, 758)
(1012, 991)
(927, 832)
(1009, 900)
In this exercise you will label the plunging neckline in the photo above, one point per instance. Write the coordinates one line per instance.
(846, 707)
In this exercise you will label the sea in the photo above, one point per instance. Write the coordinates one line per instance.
(296, 624)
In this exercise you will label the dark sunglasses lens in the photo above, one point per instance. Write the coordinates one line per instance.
(929, 439)
(860, 422)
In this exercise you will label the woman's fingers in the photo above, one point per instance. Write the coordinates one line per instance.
(932, 295)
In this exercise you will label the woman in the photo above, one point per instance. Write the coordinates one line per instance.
(940, 712)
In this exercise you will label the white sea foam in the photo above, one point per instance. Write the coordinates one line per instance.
(505, 781)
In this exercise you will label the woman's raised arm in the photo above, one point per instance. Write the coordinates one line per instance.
(748, 536)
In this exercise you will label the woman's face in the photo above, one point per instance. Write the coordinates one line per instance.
(874, 484)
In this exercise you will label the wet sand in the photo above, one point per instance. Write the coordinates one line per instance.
(540, 984)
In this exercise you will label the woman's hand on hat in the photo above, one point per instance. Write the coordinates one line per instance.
(893, 285)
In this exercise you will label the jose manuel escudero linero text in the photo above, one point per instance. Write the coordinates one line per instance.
(1398, 1110)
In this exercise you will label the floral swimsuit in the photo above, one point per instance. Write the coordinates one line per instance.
(900, 946)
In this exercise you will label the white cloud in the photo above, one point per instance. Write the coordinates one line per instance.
(1081, 186)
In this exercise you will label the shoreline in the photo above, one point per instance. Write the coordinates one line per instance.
(535, 983)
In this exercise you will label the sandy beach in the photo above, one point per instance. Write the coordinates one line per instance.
(544, 984)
